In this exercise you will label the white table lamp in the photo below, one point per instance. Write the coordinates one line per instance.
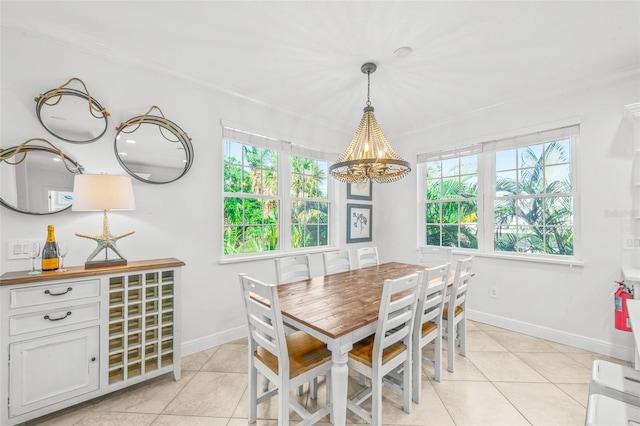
(103, 193)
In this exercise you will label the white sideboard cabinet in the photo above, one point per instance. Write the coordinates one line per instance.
(67, 337)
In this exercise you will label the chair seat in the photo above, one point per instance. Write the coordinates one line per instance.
(445, 311)
(362, 351)
(305, 353)
(428, 327)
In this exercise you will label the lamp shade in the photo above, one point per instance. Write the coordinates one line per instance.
(102, 192)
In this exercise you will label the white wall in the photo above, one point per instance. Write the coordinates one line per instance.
(182, 219)
(572, 305)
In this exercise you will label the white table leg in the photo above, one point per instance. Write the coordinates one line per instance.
(339, 384)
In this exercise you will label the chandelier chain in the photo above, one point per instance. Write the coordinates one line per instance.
(368, 88)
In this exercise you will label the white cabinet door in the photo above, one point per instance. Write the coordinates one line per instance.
(48, 370)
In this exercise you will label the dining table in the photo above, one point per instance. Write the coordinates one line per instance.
(340, 309)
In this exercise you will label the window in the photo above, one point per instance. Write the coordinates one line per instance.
(309, 202)
(452, 202)
(514, 195)
(251, 203)
(271, 186)
(533, 202)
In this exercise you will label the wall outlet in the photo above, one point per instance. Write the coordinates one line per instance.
(631, 242)
(19, 249)
(493, 292)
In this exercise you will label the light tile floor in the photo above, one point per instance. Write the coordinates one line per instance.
(507, 378)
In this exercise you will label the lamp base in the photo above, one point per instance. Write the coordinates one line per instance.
(107, 263)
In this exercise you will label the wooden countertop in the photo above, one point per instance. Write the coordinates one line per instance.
(21, 277)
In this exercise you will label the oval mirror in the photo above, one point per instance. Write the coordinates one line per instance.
(153, 149)
(36, 179)
(72, 115)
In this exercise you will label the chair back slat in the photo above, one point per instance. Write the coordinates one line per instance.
(367, 256)
(435, 255)
(397, 312)
(264, 319)
(292, 268)
(336, 261)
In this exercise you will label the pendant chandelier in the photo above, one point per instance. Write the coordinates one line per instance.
(369, 156)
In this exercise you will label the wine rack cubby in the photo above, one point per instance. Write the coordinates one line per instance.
(141, 324)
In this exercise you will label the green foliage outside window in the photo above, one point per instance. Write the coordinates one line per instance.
(251, 218)
(309, 219)
(533, 209)
(452, 205)
(252, 205)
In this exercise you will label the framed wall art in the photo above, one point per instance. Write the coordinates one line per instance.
(360, 191)
(359, 224)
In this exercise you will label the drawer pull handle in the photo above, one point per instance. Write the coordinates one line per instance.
(47, 317)
(58, 294)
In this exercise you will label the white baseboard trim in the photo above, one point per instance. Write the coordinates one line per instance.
(569, 339)
(213, 340)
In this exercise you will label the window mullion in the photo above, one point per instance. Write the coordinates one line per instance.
(486, 196)
(284, 189)
(422, 200)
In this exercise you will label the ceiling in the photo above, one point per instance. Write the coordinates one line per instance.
(305, 57)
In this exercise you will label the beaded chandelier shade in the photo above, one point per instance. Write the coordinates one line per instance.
(369, 156)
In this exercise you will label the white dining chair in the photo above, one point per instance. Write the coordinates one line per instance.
(434, 255)
(292, 268)
(336, 261)
(388, 350)
(287, 361)
(454, 314)
(367, 256)
(428, 324)
(603, 410)
(289, 269)
(616, 381)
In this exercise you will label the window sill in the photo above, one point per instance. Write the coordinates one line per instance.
(522, 258)
(272, 255)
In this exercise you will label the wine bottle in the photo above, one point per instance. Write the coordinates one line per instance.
(50, 259)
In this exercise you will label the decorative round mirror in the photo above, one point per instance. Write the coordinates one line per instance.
(72, 115)
(153, 149)
(37, 179)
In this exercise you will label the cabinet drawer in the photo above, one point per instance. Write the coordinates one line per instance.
(52, 318)
(61, 292)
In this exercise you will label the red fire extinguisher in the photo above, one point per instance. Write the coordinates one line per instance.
(622, 315)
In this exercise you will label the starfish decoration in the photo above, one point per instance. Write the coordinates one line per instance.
(106, 240)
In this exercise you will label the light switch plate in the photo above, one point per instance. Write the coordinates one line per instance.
(631, 242)
(19, 249)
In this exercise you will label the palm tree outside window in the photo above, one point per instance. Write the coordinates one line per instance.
(273, 200)
(529, 196)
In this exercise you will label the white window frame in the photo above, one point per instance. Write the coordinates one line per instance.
(285, 150)
(486, 192)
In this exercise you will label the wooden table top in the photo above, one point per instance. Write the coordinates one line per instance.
(338, 304)
(21, 277)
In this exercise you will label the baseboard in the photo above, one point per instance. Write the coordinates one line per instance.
(569, 339)
(213, 340)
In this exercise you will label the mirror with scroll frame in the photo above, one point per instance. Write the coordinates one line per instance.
(37, 178)
(153, 149)
(72, 115)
